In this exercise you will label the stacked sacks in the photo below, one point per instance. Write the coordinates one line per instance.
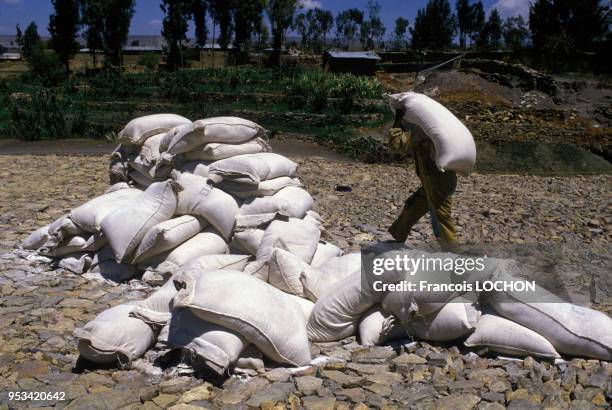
(222, 223)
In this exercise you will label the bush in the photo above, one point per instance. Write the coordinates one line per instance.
(149, 61)
(45, 116)
(45, 68)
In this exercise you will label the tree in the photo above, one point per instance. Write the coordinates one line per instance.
(247, 14)
(515, 32)
(107, 25)
(347, 24)
(300, 25)
(262, 32)
(373, 28)
(399, 32)
(325, 22)
(434, 26)
(29, 40)
(174, 29)
(561, 25)
(18, 36)
(464, 20)
(222, 15)
(477, 20)
(198, 11)
(63, 28)
(280, 13)
(92, 18)
(492, 33)
(117, 19)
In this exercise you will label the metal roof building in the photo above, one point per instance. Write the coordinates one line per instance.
(355, 62)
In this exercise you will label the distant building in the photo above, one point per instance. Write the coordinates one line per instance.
(355, 62)
(10, 57)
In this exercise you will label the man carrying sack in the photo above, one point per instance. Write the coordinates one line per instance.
(436, 189)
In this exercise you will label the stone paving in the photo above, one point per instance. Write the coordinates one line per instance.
(40, 306)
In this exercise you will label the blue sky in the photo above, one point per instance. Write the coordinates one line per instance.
(148, 16)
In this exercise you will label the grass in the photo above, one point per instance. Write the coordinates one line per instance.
(99, 105)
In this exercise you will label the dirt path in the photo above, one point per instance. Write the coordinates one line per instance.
(291, 148)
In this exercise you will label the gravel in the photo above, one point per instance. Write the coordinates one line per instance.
(41, 306)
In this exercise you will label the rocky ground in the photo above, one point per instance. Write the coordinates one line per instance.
(40, 307)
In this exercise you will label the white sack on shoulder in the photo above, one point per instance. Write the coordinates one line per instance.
(254, 168)
(113, 335)
(124, 228)
(276, 327)
(139, 129)
(454, 145)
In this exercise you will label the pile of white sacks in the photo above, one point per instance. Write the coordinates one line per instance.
(207, 211)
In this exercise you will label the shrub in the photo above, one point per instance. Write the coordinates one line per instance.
(45, 68)
(149, 61)
(45, 116)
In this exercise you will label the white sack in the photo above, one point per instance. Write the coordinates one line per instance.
(504, 336)
(454, 320)
(325, 252)
(157, 308)
(284, 272)
(76, 263)
(317, 281)
(209, 263)
(141, 180)
(405, 305)
(228, 130)
(68, 246)
(89, 216)
(104, 267)
(124, 228)
(215, 151)
(167, 235)
(453, 142)
(291, 202)
(199, 168)
(377, 327)
(212, 345)
(337, 312)
(254, 168)
(38, 238)
(572, 329)
(265, 188)
(117, 186)
(277, 327)
(306, 305)
(207, 242)
(113, 335)
(199, 198)
(139, 129)
(295, 236)
(247, 241)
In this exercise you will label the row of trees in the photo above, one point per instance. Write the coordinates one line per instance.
(559, 25)
(555, 26)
